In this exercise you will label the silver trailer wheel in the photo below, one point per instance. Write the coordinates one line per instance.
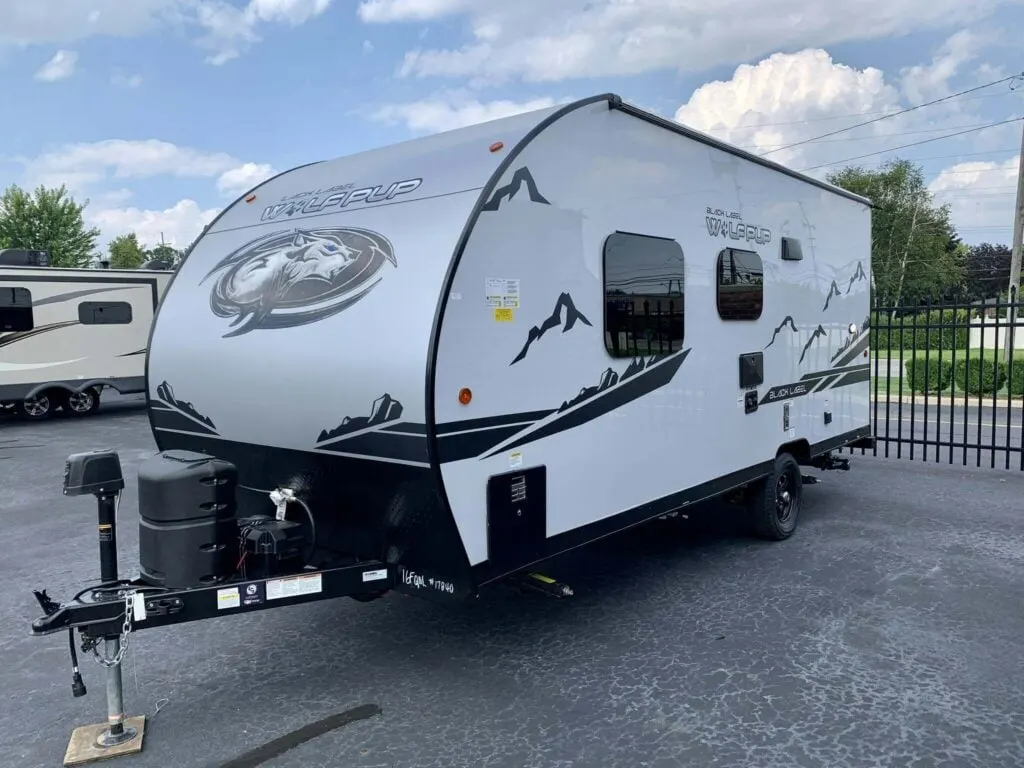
(36, 408)
(82, 403)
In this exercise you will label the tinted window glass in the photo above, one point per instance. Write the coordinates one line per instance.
(104, 313)
(15, 309)
(740, 285)
(643, 295)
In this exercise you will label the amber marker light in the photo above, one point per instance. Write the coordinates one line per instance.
(465, 395)
(497, 146)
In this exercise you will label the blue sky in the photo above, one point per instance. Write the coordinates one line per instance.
(161, 111)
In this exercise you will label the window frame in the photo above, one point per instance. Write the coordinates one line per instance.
(14, 308)
(606, 334)
(719, 285)
(87, 312)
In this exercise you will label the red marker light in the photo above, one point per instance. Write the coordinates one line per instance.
(496, 146)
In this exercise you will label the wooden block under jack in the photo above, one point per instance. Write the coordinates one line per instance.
(83, 749)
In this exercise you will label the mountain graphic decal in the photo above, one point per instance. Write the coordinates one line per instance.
(554, 320)
(819, 332)
(787, 321)
(833, 291)
(858, 275)
(611, 391)
(510, 190)
(855, 344)
(168, 412)
(384, 409)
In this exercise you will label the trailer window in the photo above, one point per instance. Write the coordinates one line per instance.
(15, 309)
(643, 295)
(740, 285)
(104, 313)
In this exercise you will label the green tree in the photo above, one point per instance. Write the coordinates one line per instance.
(164, 252)
(125, 252)
(47, 220)
(988, 270)
(915, 252)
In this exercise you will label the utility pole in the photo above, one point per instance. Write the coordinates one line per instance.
(1015, 258)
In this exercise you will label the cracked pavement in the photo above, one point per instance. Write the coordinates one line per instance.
(887, 632)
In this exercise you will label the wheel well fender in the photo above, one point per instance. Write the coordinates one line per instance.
(798, 449)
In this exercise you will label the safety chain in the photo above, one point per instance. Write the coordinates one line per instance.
(126, 629)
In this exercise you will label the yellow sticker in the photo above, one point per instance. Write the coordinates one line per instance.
(502, 315)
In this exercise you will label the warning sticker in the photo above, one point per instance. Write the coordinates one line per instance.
(502, 292)
(294, 586)
(515, 459)
(228, 598)
(503, 315)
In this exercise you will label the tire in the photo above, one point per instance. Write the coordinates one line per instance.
(84, 403)
(38, 408)
(774, 504)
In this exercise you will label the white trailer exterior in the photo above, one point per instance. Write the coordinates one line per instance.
(65, 334)
(475, 350)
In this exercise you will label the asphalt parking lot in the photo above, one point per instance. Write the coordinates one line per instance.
(887, 632)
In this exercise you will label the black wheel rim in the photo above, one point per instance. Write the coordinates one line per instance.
(784, 501)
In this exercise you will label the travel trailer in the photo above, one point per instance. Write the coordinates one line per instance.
(66, 334)
(434, 365)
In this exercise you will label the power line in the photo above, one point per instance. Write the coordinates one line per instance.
(957, 157)
(879, 137)
(884, 113)
(914, 144)
(894, 114)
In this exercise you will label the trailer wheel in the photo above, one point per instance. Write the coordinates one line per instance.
(82, 403)
(775, 502)
(37, 408)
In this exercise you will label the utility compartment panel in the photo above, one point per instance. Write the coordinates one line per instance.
(516, 516)
(187, 529)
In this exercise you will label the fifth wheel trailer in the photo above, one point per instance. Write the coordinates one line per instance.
(432, 365)
(66, 334)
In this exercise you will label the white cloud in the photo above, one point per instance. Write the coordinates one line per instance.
(227, 29)
(126, 81)
(80, 166)
(926, 82)
(377, 11)
(61, 66)
(981, 198)
(244, 177)
(293, 12)
(59, 21)
(788, 97)
(231, 30)
(454, 109)
(539, 40)
(178, 225)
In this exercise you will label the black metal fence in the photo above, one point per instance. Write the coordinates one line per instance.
(944, 388)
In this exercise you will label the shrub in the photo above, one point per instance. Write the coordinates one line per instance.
(1017, 378)
(936, 375)
(992, 376)
(949, 330)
